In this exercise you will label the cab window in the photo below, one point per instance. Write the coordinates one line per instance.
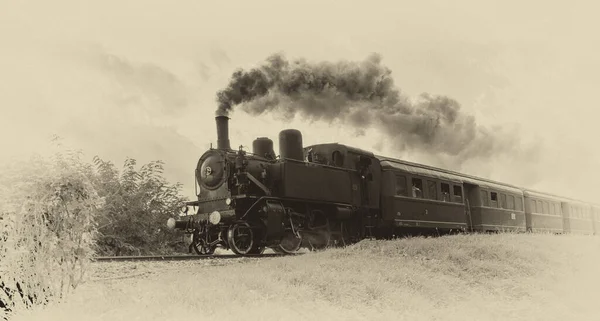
(458, 194)
(417, 187)
(432, 190)
(401, 185)
(485, 198)
(445, 192)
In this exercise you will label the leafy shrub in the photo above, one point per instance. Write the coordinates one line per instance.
(57, 212)
(48, 207)
(138, 204)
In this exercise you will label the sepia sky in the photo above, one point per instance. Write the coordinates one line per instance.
(139, 78)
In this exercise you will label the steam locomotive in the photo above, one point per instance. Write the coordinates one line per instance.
(333, 195)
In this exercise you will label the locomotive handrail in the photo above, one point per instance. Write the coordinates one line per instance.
(320, 164)
(289, 198)
(259, 184)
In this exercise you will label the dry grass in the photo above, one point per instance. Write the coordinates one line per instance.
(475, 277)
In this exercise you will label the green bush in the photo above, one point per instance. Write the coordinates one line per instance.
(138, 204)
(48, 208)
(57, 212)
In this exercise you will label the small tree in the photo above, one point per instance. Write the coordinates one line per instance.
(52, 210)
(47, 226)
(138, 204)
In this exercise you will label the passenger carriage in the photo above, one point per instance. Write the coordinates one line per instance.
(494, 207)
(414, 197)
(577, 217)
(596, 218)
(543, 212)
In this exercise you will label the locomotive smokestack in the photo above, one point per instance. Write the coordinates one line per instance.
(222, 132)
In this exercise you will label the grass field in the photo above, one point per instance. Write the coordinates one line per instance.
(474, 277)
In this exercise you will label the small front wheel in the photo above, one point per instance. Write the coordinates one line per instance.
(201, 248)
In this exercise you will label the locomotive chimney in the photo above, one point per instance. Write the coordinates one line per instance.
(222, 132)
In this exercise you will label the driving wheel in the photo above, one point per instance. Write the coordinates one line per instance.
(241, 238)
(289, 244)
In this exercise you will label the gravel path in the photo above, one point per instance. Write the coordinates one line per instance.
(107, 271)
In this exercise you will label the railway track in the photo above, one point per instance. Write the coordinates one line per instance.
(181, 257)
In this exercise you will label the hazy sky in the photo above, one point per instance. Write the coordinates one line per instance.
(138, 78)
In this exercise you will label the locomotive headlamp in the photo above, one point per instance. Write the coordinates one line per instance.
(228, 201)
(171, 223)
(214, 218)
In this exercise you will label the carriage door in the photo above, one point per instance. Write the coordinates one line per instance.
(472, 199)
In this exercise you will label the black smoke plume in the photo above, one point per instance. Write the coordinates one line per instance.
(360, 94)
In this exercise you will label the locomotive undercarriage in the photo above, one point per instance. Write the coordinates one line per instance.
(284, 226)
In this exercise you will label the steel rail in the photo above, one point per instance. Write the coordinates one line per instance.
(183, 257)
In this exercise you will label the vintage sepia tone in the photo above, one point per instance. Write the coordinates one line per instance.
(270, 160)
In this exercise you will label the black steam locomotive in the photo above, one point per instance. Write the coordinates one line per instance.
(332, 194)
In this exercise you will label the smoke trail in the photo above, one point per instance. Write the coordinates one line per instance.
(361, 94)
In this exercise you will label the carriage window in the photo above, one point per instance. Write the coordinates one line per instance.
(510, 202)
(445, 192)
(417, 188)
(558, 209)
(538, 207)
(458, 194)
(401, 185)
(532, 206)
(546, 211)
(502, 201)
(552, 209)
(572, 212)
(485, 199)
(519, 204)
(494, 199)
(432, 189)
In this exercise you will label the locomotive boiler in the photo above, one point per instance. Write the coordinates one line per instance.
(304, 197)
